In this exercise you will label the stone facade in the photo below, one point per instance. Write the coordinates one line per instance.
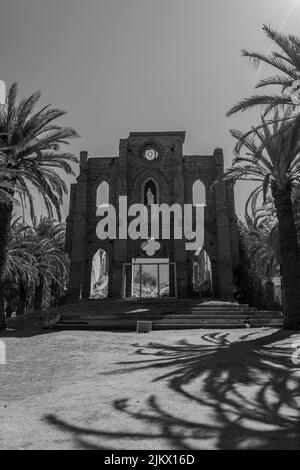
(174, 174)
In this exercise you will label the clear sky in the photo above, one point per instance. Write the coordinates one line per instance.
(129, 65)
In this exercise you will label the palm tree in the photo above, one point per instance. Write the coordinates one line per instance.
(47, 245)
(273, 160)
(31, 155)
(36, 259)
(286, 61)
(255, 233)
(21, 273)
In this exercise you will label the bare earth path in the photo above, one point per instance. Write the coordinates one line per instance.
(193, 389)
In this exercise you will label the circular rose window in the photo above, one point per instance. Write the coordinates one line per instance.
(150, 154)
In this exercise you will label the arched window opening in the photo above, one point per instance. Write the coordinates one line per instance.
(199, 193)
(99, 275)
(202, 274)
(102, 198)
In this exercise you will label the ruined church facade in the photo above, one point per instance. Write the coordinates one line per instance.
(151, 168)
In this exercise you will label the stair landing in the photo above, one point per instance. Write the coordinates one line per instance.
(165, 314)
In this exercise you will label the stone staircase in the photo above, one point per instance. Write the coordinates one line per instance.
(167, 314)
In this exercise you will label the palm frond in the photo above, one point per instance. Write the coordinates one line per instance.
(32, 144)
(260, 100)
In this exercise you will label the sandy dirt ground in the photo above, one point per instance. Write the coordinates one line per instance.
(193, 389)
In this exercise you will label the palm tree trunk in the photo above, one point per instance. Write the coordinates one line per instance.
(54, 293)
(290, 260)
(270, 294)
(5, 220)
(22, 304)
(8, 310)
(38, 296)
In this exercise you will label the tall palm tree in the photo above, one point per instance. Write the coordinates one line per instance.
(272, 159)
(31, 155)
(286, 61)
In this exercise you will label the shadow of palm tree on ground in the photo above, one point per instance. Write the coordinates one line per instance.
(249, 386)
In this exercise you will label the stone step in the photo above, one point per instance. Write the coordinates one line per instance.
(174, 317)
(176, 308)
(178, 305)
(185, 323)
(161, 326)
(205, 312)
(159, 316)
(178, 318)
(79, 322)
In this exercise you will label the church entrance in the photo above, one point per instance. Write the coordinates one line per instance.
(149, 278)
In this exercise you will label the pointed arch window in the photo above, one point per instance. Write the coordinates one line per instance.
(199, 193)
(102, 198)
